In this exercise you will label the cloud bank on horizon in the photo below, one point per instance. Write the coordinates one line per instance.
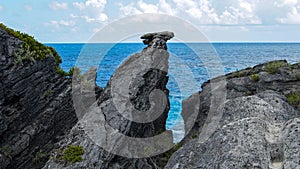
(227, 20)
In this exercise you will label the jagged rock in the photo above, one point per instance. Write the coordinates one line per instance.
(136, 89)
(237, 121)
(240, 84)
(254, 132)
(254, 127)
(84, 90)
(158, 39)
(35, 106)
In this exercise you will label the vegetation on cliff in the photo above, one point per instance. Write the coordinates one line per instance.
(273, 67)
(294, 99)
(37, 50)
(33, 50)
(254, 77)
(69, 155)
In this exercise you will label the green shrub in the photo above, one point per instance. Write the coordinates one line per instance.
(240, 73)
(254, 77)
(6, 151)
(31, 47)
(73, 154)
(60, 71)
(49, 92)
(194, 136)
(293, 98)
(39, 156)
(273, 67)
(74, 70)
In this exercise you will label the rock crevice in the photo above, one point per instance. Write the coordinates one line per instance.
(35, 104)
(253, 122)
(136, 89)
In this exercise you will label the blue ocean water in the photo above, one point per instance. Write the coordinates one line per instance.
(190, 64)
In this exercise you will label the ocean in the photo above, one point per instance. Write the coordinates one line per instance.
(190, 64)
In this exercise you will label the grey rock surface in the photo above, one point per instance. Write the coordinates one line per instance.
(254, 127)
(157, 39)
(235, 121)
(137, 86)
(35, 107)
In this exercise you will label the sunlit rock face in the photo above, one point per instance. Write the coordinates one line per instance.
(134, 105)
(256, 126)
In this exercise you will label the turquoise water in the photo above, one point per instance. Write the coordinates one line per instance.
(190, 64)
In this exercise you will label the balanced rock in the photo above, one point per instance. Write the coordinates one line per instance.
(133, 106)
(158, 39)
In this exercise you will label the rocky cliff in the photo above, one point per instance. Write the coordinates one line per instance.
(134, 105)
(256, 124)
(35, 101)
(246, 119)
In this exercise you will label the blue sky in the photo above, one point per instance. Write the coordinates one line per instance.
(226, 20)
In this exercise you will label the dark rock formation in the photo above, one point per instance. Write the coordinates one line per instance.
(158, 39)
(35, 107)
(246, 119)
(136, 89)
(255, 126)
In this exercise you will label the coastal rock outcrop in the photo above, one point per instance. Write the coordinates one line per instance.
(245, 119)
(35, 103)
(256, 126)
(136, 89)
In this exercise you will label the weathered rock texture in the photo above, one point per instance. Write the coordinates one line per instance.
(254, 127)
(35, 107)
(242, 120)
(157, 40)
(132, 84)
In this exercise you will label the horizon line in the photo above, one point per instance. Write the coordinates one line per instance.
(172, 42)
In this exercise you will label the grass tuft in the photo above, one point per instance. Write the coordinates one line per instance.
(273, 67)
(254, 77)
(73, 154)
(294, 99)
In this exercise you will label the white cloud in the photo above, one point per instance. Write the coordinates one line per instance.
(57, 6)
(58, 24)
(185, 4)
(91, 10)
(293, 17)
(1, 8)
(129, 9)
(90, 3)
(147, 8)
(79, 5)
(140, 7)
(247, 6)
(28, 7)
(228, 12)
(225, 12)
(100, 18)
(165, 7)
(282, 3)
(202, 11)
(234, 15)
(96, 3)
